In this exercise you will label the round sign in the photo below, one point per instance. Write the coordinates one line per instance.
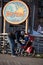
(15, 12)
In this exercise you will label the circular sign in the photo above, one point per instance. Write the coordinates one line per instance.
(15, 12)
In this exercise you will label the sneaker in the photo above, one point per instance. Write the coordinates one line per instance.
(13, 55)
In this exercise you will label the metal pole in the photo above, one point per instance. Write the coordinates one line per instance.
(2, 5)
(26, 27)
(33, 17)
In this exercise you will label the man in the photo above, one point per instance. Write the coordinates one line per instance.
(11, 40)
(40, 29)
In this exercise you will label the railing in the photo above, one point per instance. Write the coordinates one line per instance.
(4, 45)
(38, 43)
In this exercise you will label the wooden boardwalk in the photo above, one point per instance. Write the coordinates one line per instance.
(9, 60)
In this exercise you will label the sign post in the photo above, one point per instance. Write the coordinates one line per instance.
(16, 12)
(4, 26)
(26, 29)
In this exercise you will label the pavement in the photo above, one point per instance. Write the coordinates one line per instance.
(14, 60)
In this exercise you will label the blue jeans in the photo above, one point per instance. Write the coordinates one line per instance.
(12, 45)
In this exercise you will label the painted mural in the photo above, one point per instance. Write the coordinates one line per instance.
(15, 12)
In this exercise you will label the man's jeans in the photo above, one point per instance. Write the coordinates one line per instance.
(12, 44)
